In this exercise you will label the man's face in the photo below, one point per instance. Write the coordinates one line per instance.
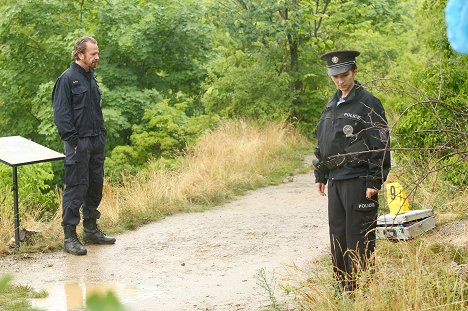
(90, 57)
(344, 81)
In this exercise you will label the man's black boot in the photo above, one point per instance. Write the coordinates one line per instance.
(92, 234)
(71, 244)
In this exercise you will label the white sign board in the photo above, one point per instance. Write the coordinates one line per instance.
(17, 150)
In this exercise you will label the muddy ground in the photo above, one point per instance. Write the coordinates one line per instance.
(199, 261)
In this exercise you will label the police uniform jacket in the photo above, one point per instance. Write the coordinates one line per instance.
(357, 125)
(77, 105)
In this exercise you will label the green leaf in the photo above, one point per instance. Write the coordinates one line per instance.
(108, 302)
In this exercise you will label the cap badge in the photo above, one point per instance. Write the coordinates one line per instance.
(335, 59)
(348, 130)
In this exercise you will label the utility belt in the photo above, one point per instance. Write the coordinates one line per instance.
(339, 160)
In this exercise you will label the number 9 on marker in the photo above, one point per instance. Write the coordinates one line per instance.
(396, 198)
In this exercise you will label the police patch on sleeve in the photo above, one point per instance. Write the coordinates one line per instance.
(365, 206)
(383, 132)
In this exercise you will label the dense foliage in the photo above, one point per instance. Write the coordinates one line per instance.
(169, 70)
(436, 125)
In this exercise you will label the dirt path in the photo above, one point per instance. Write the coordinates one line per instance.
(197, 261)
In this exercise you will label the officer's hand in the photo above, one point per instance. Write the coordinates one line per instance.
(321, 188)
(370, 192)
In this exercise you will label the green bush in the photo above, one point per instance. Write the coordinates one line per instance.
(165, 131)
(247, 85)
(34, 190)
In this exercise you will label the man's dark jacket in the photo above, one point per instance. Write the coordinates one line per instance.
(359, 121)
(77, 105)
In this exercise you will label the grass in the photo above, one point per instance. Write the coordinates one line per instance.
(412, 275)
(235, 157)
(224, 163)
(15, 297)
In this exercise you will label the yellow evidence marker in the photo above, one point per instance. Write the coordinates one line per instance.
(396, 198)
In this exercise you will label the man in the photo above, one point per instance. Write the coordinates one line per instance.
(77, 113)
(354, 160)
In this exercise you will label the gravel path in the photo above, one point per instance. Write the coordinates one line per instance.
(197, 261)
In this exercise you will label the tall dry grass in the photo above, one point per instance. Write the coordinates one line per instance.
(234, 157)
(409, 276)
(426, 273)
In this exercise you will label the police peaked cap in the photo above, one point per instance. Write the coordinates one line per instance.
(340, 61)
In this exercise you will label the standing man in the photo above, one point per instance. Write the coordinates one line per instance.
(354, 160)
(77, 113)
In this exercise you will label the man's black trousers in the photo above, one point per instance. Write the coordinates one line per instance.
(84, 178)
(352, 222)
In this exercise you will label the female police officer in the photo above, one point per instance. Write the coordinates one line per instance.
(354, 160)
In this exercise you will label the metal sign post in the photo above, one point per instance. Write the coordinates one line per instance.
(16, 151)
(15, 200)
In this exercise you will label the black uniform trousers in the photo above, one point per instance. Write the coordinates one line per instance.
(84, 179)
(352, 221)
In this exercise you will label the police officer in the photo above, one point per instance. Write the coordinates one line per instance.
(77, 113)
(353, 158)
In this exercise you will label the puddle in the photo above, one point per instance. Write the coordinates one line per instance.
(72, 295)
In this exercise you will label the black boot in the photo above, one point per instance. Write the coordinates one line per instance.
(92, 234)
(71, 244)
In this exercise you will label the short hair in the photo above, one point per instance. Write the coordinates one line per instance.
(80, 45)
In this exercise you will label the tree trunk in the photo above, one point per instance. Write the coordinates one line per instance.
(293, 52)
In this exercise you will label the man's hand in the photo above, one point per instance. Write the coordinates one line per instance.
(370, 192)
(321, 188)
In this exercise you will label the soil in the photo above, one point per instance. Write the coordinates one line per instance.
(455, 233)
(209, 260)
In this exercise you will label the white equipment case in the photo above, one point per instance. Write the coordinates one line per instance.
(405, 226)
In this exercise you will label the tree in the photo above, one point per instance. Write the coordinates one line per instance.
(247, 85)
(285, 38)
(153, 45)
(438, 122)
(149, 50)
(35, 45)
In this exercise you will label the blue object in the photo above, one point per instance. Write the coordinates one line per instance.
(456, 18)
